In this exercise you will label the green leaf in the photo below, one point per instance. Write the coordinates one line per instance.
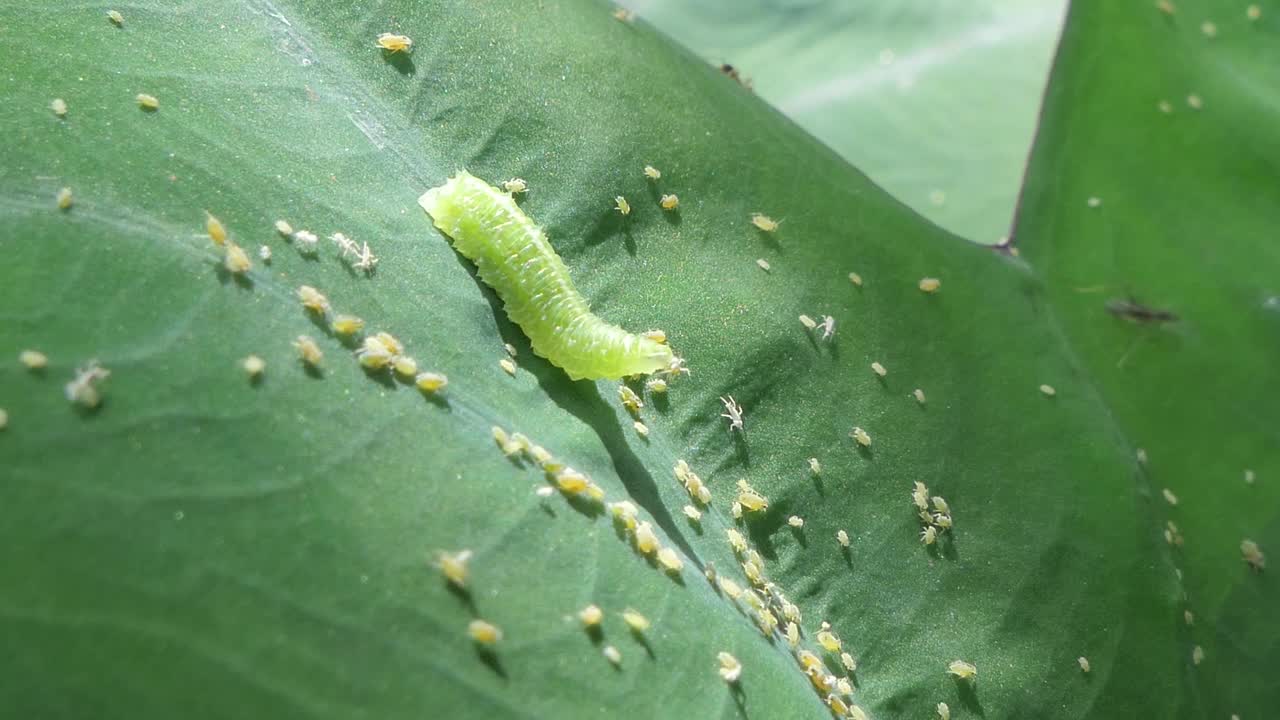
(937, 102)
(237, 549)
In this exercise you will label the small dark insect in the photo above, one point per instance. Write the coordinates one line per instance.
(1137, 312)
(732, 72)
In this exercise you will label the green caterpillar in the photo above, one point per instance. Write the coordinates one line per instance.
(515, 259)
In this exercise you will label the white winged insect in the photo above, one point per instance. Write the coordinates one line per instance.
(733, 411)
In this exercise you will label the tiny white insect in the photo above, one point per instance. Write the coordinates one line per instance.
(1197, 655)
(670, 560)
(808, 322)
(1048, 390)
(861, 436)
(236, 260)
(692, 513)
(641, 429)
(612, 654)
(284, 228)
(1165, 106)
(115, 17)
(4, 419)
(1194, 101)
(879, 369)
(855, 278)
(764, 264)
(59, 107)
(1169, 497)
(733, 412)
(394, 43)
(484, 633)
(1189, 617)
(930, 285)
(254, 366)
(929, 535)
(33, 359)
(730, 668)
(919, 395)
(652, 172)
(828, 326)
(795, 521)
(308, 351)
(149, 103)
(842, 537)
(264, 252)
(1209, 29)
(815, 467)
(656, 385)
(669, 201)
(944, 711)
(515, 186)
(1253, 12)
(961, 669)
(64, 198)
(1094, 202)
(307, 242)
(1084, 663)
(621, 205)
(508, 365)
(1249, 477)
(764, 222)
(83, 389)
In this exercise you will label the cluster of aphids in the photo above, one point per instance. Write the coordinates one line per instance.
(934, 513)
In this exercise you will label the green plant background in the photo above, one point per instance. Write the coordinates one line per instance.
(207, 547)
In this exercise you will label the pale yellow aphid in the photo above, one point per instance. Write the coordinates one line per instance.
(499, 436)
(515, 186)
(793, 634)
(815, 467)
(1048, 390)
(729, 587)
(284, 228)
(641, 429)
(83, 389)
(306, 241)
(116, 18)
(669, 202)
(508, 366)
(1084, 663)
(394, 43)
(1197, 655)
(511, 349)
(879, 369)
(920, 495)
(147, 102)
(764, 222)
(750, 499)
(612, 654)
(405, 365)
(849, 663)
(944, 711)
(1188, 617)
(919, 395)
(767, 621)
(861, 436)
(1194, 101)
(795, 521)
(929, 535)
(755, 575)
(730, 668)
(943, 521)
(1209, 29)
(264, 252)
(64, 199)
(1169, 497)
(842, 537)
(652, 172)
(254, 366)
(591, 616)
(1249, 477)
(809, 662)
(236, 260)
(519, 443)
(545, 491)
(1165, 106)
(940, 505)
(736, 540)
(625, 512)
(393, 345)
(1253, 555)
(374, 354)
(572, 482)
(828, 326)
(217, 231)
(693, 513)
(828, 640)
(634, 620)
(658, 336)
(59, 107)
(839, 707)
(1094, 202)
(454, 566)
(1165, 6)
(621, 205)
(4, 419)
(365, 259)
(646, 540)
(656, 385)
(670, 560)
(844, 686)
(33, 359)
(736, 510)
(962, 669)
(808, 322)
(855, 278)
(930, 285)
(764, 264)
(308, 350)
(431, 382)
(630, 400)
(344, 324)
(1253, 12)
(623, 15)
(732, 412)
(1141, 456)
(313, 299)
(485, 633)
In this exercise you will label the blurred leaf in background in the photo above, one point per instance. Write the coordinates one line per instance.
(936, 101)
